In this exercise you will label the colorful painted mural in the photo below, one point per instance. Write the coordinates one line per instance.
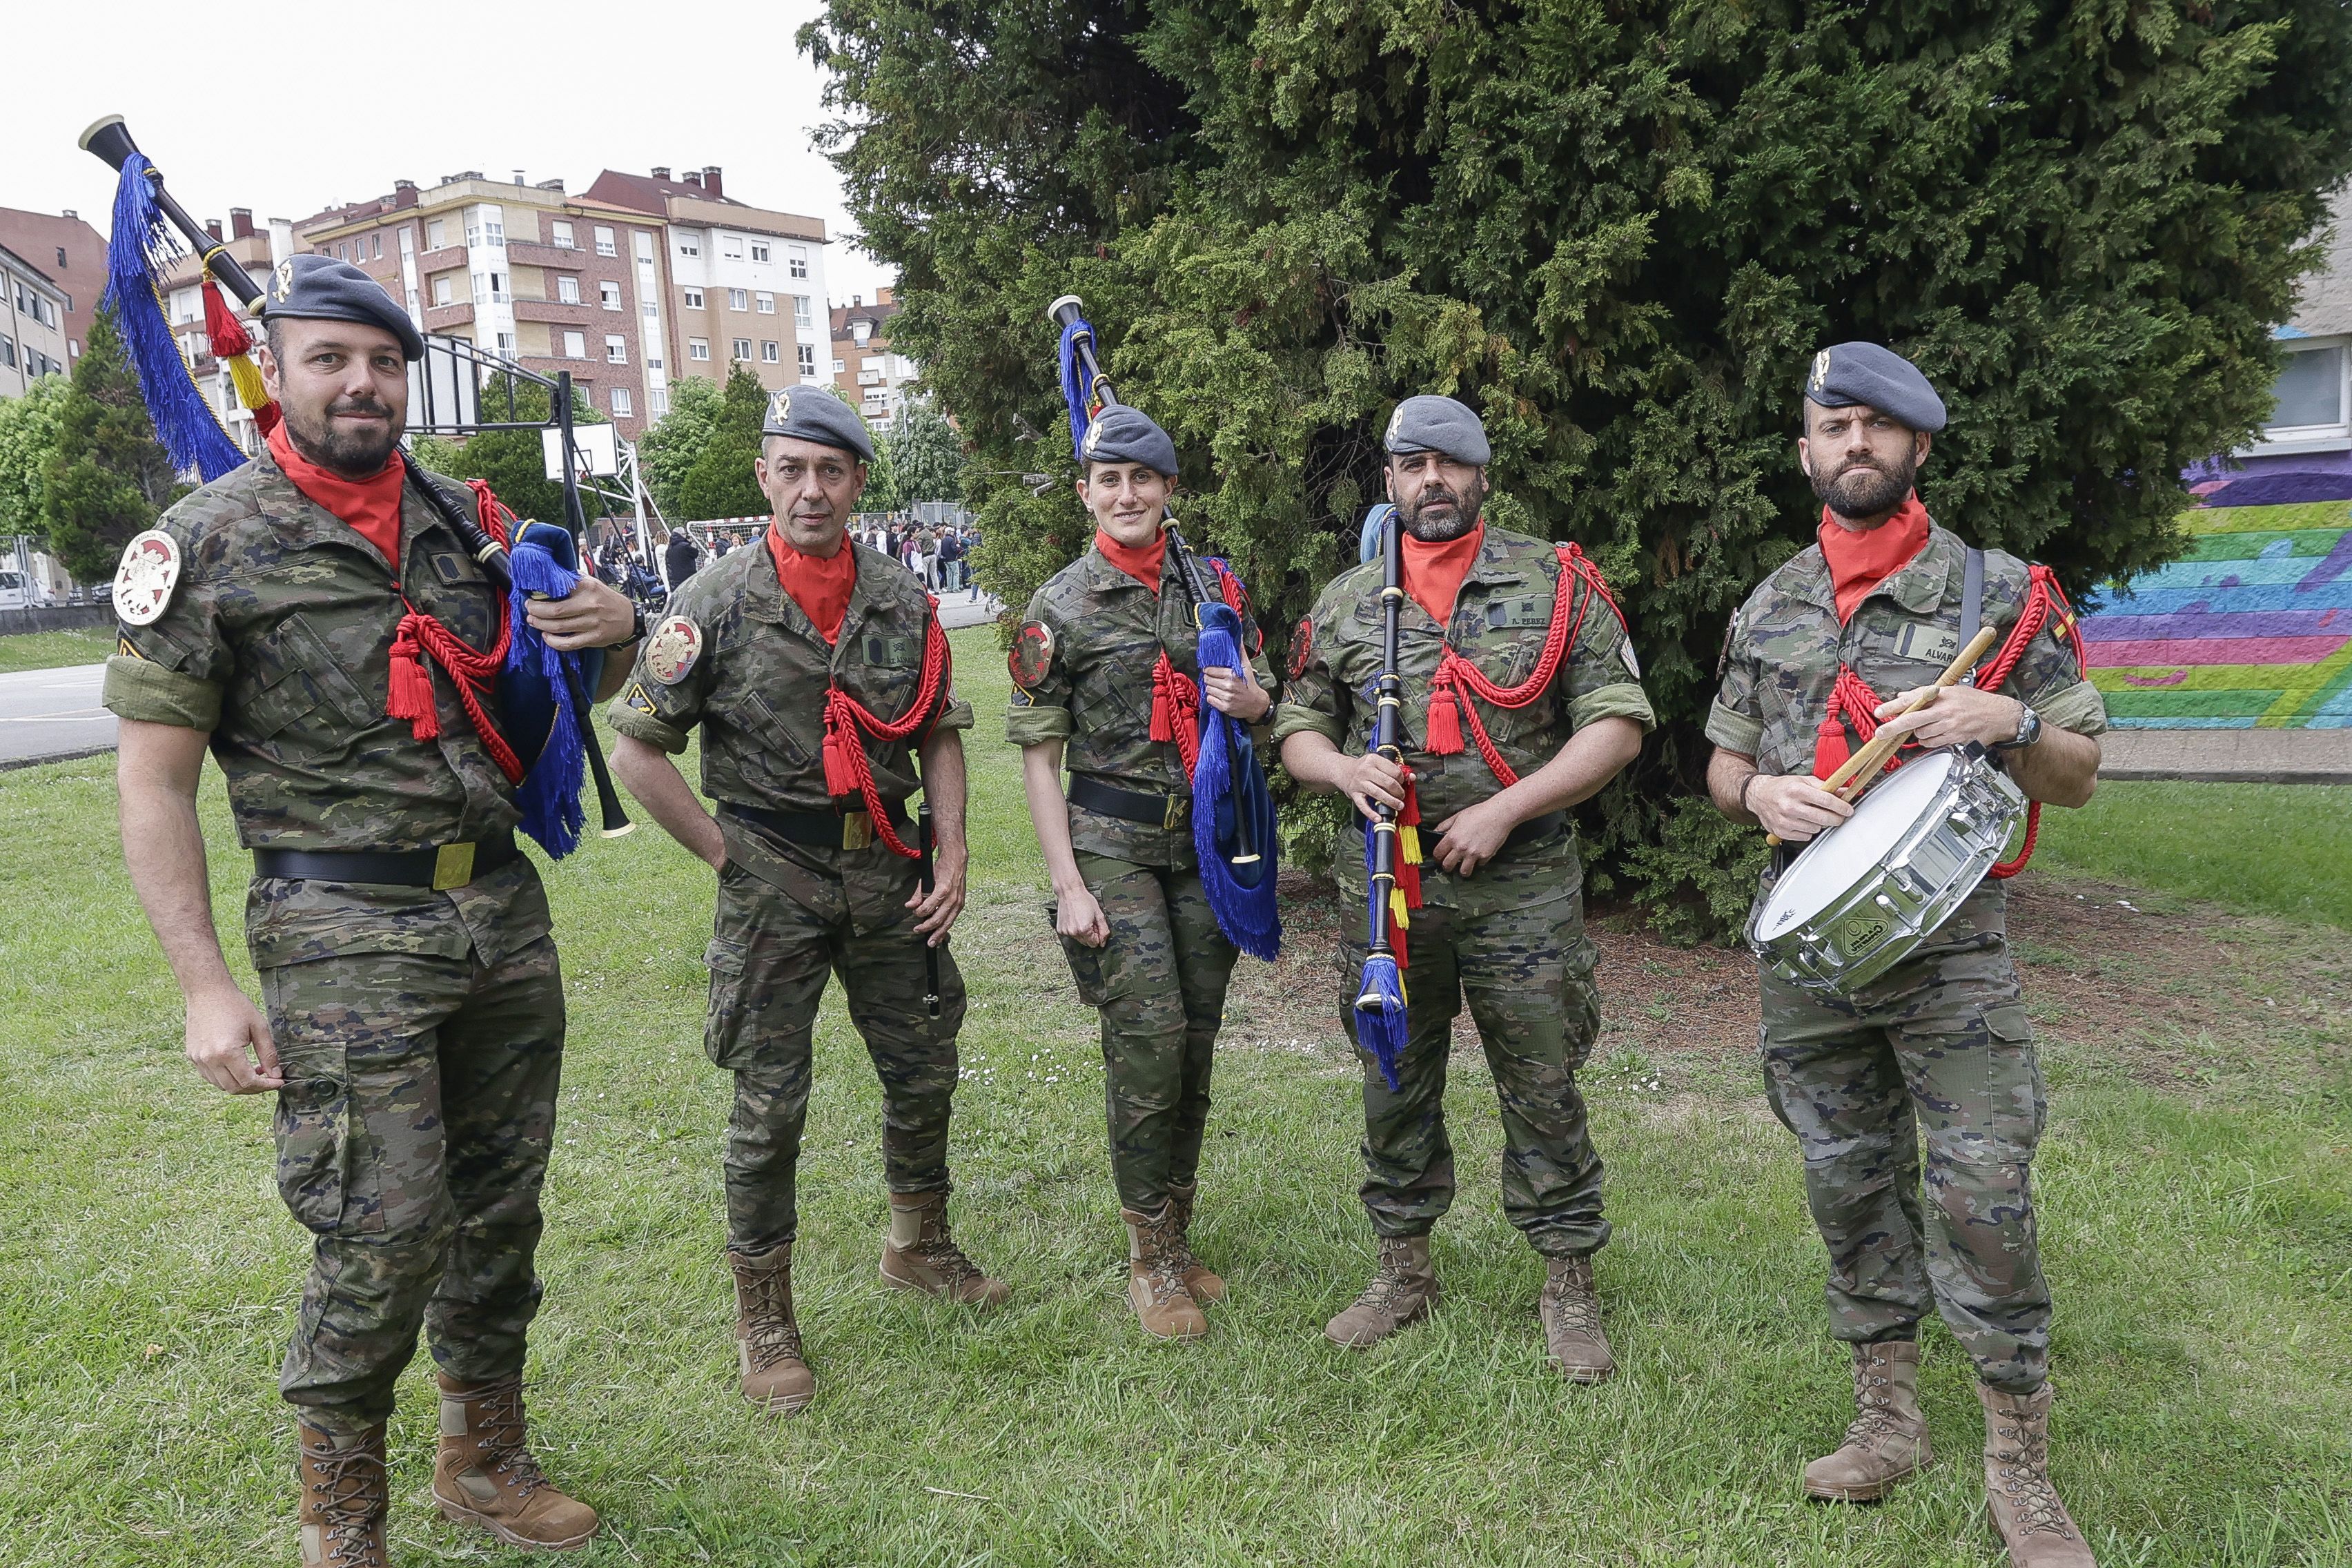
(2252, 629)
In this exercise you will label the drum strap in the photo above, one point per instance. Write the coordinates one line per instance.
(1971, 601)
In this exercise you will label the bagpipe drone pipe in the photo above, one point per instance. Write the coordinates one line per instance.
(1381, 1022)
(543, 700)
(1234, 831)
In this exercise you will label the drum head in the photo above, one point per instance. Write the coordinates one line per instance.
(1833, 863)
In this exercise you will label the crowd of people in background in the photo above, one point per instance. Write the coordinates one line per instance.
(940, 557)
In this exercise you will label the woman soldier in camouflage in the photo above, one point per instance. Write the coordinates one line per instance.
(1104, 665)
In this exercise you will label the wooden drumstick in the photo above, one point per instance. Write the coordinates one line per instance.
(1848, 780)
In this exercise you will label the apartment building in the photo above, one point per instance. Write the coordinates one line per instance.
(745, 284)
(32, 325)
(863, 365)
(71, 253)
(182, 286)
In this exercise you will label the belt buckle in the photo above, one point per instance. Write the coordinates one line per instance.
(1179, 811)
(453, 866)
(857, 830)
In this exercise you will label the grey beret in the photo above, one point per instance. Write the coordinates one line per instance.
(1432, 423)
(321, 289)
(1878, 378)
(810, 413)
(1124, 434)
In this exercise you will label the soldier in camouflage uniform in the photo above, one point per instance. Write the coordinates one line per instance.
(1143, 944)
(1501, 917)
(772, 650)
(1941, 1042)
(414, 1026)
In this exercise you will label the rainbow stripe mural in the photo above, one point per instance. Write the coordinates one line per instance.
(2252, 629)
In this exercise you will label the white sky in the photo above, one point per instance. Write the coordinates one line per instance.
(330, 103)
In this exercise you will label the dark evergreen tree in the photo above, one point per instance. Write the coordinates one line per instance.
(925, 454)
(107, 477)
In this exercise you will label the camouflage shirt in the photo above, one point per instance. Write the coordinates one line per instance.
(1501, 617)
(1082, 674)
(1785, 644)
(277, 640)
(758, 680)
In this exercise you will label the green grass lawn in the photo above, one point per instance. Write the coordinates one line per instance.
(2282, 849)
(2197, 1237)
(51, 650)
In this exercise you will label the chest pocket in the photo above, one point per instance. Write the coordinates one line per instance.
(1111, 686)
(289, 672)
(768, 747)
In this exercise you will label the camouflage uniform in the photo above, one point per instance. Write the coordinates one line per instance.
(420, 1032)
(1160, 981)
(1942, 1038)
(1510, 937)
(791, 913)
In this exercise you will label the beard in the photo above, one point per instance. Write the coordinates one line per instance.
(1438, 514)
(355, 454)
(1865, 490)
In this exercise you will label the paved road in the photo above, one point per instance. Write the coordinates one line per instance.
(52, 713)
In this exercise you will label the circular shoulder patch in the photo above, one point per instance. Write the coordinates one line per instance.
(150, 570)
(1302, 646)
(672, 649)
(1031, 655)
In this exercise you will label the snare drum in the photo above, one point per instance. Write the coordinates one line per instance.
(1866, 893)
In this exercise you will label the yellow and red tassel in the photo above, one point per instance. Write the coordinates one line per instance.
(233, 346)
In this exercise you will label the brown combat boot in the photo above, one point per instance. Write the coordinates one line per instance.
(775, 1375)
(484, 1475)
(1570, 1310)
(344, 1497)
(1200, 1282)
(919, 1255)
(1403, 1290)
(2033, 1524)
(1888, 1439)
(1155, 1278)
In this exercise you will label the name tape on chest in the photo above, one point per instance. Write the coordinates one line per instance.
(1928, 644)
(143, 581)
(672, 649)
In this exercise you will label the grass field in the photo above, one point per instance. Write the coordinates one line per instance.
(2196, 1229)
(2283, 849)
(50, 650)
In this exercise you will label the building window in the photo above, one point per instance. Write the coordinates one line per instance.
(585, 392)
(490, 288)
(486, 225)
(2313, 402)
(767, 304)
(744, 350)
(560, 234)
(808, 361)
(375, 247)
(694, 298)
(622, 404)
(610, 293)
(758, 250)
(799, 311)
(342, 251)
(769, 353)
(689, 243)
(567, 290)
(796, 256)
(435, 234)
(839, 365)
(575, 345)
(649, 312)
(657, 402)
(506, 344)
(731, 246)
(738, 299)
(697, 348)
(605, 246)
(654, 364)
(617, 349)
(441, 294)
(645, 246)
(8, 351)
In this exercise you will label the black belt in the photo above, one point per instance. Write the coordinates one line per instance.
(1171, 811)
(817, 829)
(1527, 832)
(443, 867)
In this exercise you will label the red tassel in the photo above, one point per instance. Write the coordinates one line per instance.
(227, 335)
(840, 774)
(410, 695)
(1830, 749)
(1408, 881)
(1396, 945)
(1444, 724)
(1163, 702)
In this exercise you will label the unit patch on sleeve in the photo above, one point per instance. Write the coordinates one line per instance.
(143, 582)
(638, 700)
(671, 651)
(1031, 655)
(1302, 646)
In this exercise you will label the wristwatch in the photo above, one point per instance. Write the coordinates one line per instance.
(2029, 730)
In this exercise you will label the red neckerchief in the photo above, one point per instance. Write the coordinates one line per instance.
(1143, 565)
(819, 584)
(371, 506)
(1859, 561)
(1434, 571)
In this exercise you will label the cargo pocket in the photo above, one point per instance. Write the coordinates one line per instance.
(722, 1034)
(313, 1132)
(2015, 1105)
(1085, 963)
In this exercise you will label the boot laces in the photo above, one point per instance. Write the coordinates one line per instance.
(496, 1408)
(1180, 1235)
(943, 1256)
(341, 1481)
(1389, 1281)
(1874, 1416)
(772, 1335)
(1163, 1257)
(1572, 1303)
(2024, 1469)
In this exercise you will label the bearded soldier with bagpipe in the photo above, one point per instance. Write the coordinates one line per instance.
(1132, 658)
(337, 626)
(1474, 683)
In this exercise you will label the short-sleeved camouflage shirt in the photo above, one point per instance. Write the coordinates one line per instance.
(1501, 617)
(757, 679)
(1082, 674)
(1785, 643)
(277, 640)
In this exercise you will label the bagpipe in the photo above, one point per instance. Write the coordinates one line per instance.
(544, 734)
(1381, 1023)
(1234, 831)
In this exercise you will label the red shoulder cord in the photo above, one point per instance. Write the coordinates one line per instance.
(418, 635)
(1176, 696)
(1457, 679)
(1853, 704)
(848, 722)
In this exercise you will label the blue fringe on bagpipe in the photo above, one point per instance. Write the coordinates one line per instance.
(1076, 392)
(1242, 896)
(1380, 1027)
(550, 797)
(141, 245)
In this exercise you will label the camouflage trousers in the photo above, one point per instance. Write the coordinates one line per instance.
(1939, 1043)
(412, 1137)
(1512, 941)
(771, 953)
(1159, 984)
